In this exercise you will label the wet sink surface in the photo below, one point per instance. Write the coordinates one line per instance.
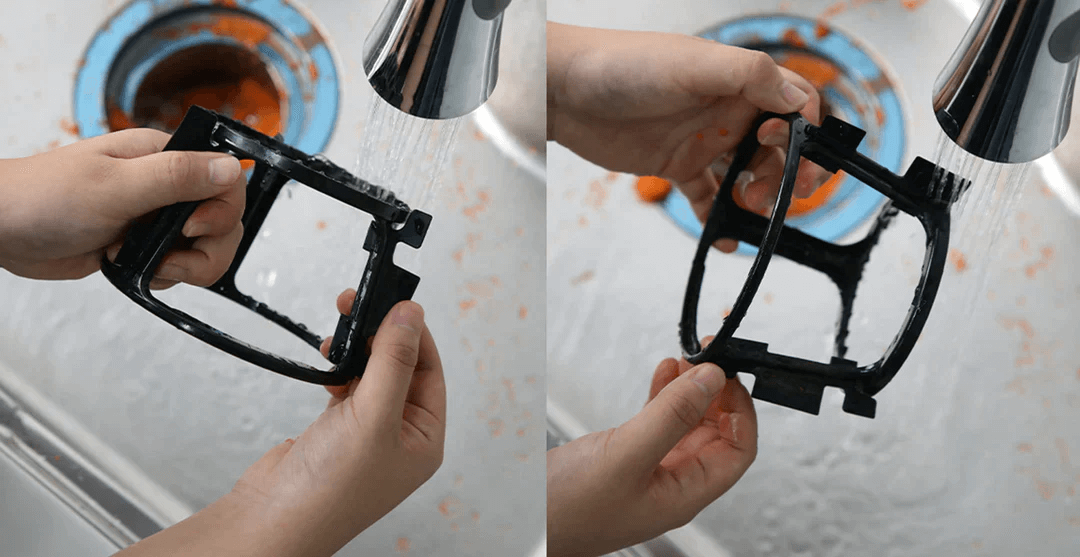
(969, 453)
(194, 418)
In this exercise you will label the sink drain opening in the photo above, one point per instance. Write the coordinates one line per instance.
(262, 63)
(223, 78)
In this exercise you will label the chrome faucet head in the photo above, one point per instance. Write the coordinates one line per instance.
(1006, 93)
(435, 59)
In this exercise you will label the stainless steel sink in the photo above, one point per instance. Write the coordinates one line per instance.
(969, 452)
(191, 418)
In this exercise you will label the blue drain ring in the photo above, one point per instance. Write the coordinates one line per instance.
(311, 121)
(853, 202)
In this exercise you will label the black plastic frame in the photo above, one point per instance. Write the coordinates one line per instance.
(925, 192)
(382, 284)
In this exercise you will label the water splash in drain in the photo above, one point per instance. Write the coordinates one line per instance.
(404, 153)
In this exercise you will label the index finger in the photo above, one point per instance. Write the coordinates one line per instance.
(133, 143)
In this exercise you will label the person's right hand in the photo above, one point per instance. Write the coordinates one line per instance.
(668, 105)
(379, 439)
(694, 439)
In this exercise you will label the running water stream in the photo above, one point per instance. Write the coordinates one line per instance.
(978, 219)
(405, 154)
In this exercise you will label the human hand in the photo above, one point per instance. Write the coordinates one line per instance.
(667, 105)
(694, 439)
(62, 210)
(379, 439)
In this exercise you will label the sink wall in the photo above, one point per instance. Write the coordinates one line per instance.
(194, 418)
(970, 450)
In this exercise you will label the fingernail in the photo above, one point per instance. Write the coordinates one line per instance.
(224, 170)
(709, 378)
(741, 188)
(794, 96)
(195, 229)
(171, 272)
(409, 316)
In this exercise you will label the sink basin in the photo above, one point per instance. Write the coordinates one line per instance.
(978, 418)
(191, 418)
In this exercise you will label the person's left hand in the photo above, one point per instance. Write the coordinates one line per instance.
(694, 439)
(62, 210)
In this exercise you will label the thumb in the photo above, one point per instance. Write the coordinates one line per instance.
(162, 179)
(769, 88)
(649, 436)
(394, 356)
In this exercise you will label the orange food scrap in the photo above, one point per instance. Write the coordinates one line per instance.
(246, 30)
(321, 225)
(1047, 256)
(800, 206)
(815, 70)
(833, 9)
(69, 126)
(1046, 490)
(449, 506)
(118, 119)
(880, 115)
(402, 545)
(722, 132)
(496, 426)
(466, 305)
(958, 260)
(793, 38)
(598, 194)
(313, 71)
(816, 199)
(523, 312)
(651, 189)
(912, 4)
(821, 30)
(583, 277)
